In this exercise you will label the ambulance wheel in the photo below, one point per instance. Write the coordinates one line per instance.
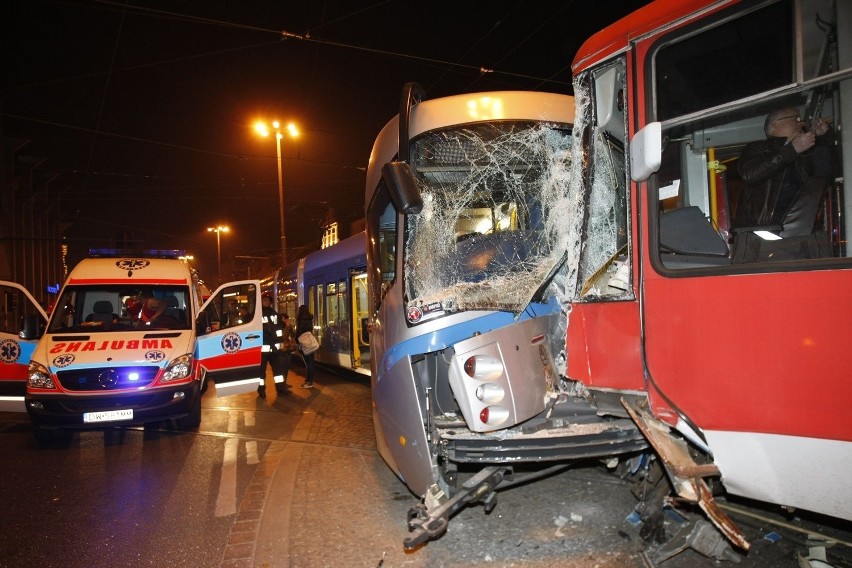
(193, 420)
(48, 436)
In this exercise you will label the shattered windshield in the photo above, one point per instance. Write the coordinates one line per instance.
(485, 238)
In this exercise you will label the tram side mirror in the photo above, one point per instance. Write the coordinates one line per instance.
(31, 327)
(609, 101)
(402, 186)
(646, 152)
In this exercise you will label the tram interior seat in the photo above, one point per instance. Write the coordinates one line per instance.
(687, 239)
(102, 312)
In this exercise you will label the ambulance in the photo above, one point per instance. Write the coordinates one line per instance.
(130, 340)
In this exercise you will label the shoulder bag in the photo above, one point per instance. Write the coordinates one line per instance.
(308, 343)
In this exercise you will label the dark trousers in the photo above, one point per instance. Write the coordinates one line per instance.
(286, 358)
(273, 359)
(309, 367)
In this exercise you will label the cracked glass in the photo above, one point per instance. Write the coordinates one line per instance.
(499, 202)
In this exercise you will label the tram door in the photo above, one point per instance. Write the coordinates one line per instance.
(360, 315)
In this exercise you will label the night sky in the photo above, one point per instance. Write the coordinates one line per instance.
(143, 110)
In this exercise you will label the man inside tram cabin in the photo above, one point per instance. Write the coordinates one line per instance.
(273, 335)
(785, 177)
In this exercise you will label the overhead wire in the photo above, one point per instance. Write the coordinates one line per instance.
(99, 132)
(104, 94)
(469, 49)
(130, 8)
(524, 40)
(307, 37)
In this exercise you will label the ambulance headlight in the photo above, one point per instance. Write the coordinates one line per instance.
(38, 377)
(179, 368)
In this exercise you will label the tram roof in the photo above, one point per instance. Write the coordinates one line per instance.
(615, 38)
(349, 249)
(467, 109)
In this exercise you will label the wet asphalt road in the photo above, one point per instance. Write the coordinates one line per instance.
(296, 481)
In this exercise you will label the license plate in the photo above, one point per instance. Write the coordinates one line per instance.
(107, 415)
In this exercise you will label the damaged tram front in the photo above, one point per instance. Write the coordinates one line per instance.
(467, 274)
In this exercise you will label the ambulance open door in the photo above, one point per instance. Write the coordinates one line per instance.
(230, 337)
(16, 304)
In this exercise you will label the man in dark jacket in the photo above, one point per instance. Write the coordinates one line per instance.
(786, 175)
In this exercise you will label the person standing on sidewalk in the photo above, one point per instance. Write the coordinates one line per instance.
(271, 351)
(288, 345)
(305, 322)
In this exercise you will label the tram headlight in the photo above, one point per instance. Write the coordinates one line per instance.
(490, 393)
(38, 377)
(493, 415)
(483, 368)
(501, 377)
(480, 384)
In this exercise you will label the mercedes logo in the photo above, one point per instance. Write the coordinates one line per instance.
(108, 379)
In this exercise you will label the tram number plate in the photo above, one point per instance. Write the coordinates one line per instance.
(107, 415)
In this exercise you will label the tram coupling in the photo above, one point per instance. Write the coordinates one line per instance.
(426, 525)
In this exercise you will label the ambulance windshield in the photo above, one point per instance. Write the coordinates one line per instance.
(99, 308)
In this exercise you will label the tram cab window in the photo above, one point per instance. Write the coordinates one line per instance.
(711, 112)
(604, 268)
(381, 243)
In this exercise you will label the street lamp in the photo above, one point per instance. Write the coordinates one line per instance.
(218, 229)
(263, 130)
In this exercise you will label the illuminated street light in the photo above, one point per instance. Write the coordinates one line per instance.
(218, 229)
(264, 130)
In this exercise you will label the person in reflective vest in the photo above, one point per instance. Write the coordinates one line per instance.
(273, 332)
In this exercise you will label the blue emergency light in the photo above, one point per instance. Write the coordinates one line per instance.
(136, 253)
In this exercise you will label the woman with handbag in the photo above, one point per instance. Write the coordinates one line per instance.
(307, 345)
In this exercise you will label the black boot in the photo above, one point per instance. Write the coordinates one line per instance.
(261, 391)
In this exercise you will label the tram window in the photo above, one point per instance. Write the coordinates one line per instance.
(315, 305)
(604, 264)
(708, 215)
(331, 304)
(739, 58)
(319, 320)
(343, 316)
(381, 243)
